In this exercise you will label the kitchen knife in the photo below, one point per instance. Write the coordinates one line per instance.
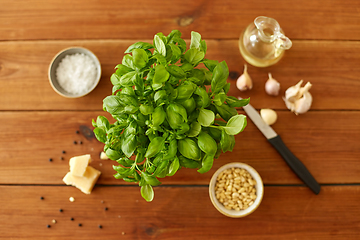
(295, 164)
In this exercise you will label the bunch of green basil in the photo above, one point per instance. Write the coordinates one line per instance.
(165, 118)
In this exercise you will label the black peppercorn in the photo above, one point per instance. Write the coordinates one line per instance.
(48, 226)
(72, 219)
(41, 198)
(63, 152)
(100, 226)
(75, 142)
(60, 210)
(106, 209)
(80, 224)
(50, 159)
(77, 132)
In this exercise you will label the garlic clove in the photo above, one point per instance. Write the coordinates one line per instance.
(292, 92)
(244, 82)
(303, 104)
(268, 115)
(272, 87)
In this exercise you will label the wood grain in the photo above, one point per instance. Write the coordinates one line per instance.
(326, 142)
(175, 213)
(331, 66)
(216, 19)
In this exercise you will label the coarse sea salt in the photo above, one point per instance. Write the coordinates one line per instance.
(76, 73)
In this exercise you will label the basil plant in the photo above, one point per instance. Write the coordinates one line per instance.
(171, 110)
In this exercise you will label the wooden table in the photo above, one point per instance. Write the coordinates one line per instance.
(37, 124)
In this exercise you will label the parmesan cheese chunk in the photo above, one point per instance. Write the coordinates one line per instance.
(79, 164)
(103, 156)
(84, 183)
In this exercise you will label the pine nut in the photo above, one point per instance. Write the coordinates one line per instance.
(234, 188)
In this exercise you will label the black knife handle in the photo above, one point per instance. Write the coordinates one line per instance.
(295, 164)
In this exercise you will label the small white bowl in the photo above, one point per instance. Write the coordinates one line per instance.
(237, 213)
(55, 63)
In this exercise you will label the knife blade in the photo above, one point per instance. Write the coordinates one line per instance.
(294, 163)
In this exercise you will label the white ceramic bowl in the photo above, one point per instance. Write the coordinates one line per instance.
(237, 213)
(55, 63)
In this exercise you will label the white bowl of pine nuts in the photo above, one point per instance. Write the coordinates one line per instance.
(236, 189)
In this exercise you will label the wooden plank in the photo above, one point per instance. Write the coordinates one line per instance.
(176, 213)
(331, 66)
(326, 141)
(218, 19)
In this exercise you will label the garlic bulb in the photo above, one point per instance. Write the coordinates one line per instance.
(272, 87)
(244, 82)
(268, 115)
(298, 99)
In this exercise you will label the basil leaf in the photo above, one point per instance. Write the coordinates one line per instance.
(128, 79)
(220, 75)
(112, 154)
(181, 43)
(187, 67)
(160, 58)
(205, 100)
(194, 56)
(210, 64)
(203, 46)
(128, 61)
(172, 150)
(125, 162)
(155, 146)
(225, 111)
(206, 117)
(185, 91)
(183, 128)
(122, 69)
(188, 163)
(174, 166)
(115, 79)
(232, 142)
(129, 145)
(160, 95)
(150, 179)
(235, 125)
(113, 104)
(162, 169)
(100, 134)
(195, 129)
(158, 116)
(103, 123)
(139, 45)
(176, 115)
(172, 34)
(146, 109)
(206, 163)
(147, 192)
(215, 133)
(160, 45)
(234, 102)
(220, 98)
(189, 105)
(176, 71)
(207, 144)
(225, 141)
(195, 40)
(226, 88)
(161, 75)
(140, 57)
(189, 149)
(176, 53)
